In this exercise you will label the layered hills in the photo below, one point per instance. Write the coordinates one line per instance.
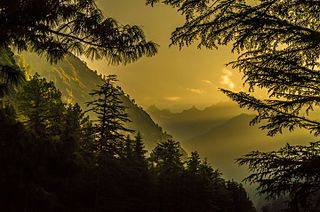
(222, 133)
(193, 122)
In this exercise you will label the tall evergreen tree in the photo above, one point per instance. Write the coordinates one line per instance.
(111, 118)
(166, 157)
(193, 163)
(139, 151)
(110, 134)
(128, 149)
(239, 197)
(198, 192)
(167, 166)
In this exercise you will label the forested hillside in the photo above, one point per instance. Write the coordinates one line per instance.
(75, 80)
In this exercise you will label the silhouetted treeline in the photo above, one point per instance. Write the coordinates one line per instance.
(54, 158)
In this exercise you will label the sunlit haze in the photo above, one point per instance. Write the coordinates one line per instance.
(175, 79)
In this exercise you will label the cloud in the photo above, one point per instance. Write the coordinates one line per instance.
(173, 98)
(226, 78)
(196, 91)
(207, 81)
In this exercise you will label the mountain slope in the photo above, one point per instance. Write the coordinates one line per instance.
(75, 80)
(234, 138)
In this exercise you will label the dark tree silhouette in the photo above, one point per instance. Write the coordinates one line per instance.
(111, 118)
(54, 28)
(239, 196)
(11, 75)
(41, 106)
(292, 170)
(139, 152)
(110, 132)
(168, 168)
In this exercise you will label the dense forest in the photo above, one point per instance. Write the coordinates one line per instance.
(55, 158)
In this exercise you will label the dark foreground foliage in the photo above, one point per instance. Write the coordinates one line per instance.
(291, 172)
(54, 158)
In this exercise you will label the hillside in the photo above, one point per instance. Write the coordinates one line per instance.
(224, 143)
(75, 80)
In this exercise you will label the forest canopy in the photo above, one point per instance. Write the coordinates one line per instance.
(54, 157)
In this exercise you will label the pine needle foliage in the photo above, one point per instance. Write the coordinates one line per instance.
(53, 28)
(278, 43)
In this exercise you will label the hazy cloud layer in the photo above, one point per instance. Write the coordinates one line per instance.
(173, 98)
(196, 90)
(207, 81)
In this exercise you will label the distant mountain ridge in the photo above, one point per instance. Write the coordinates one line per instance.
(193, 122)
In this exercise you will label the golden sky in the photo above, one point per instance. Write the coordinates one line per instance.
(174, 78)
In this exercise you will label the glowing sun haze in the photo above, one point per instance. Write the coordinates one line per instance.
(172, 79)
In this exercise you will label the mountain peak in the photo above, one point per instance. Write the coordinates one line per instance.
(192, 109)
(153, 108)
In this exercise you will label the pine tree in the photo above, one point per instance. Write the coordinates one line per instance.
(41, 107)
(239, 196)
(139, 150)
(111, 119)
(166, 158)
(110, 135)
(168, 168)
(193, 163)
(72, 136)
